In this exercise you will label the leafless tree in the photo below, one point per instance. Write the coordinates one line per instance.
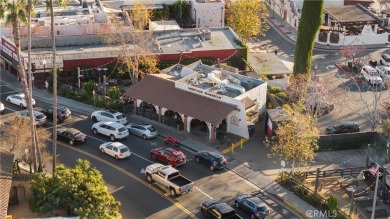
(17, 138)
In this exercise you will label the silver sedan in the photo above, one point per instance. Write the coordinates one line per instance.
(145, 131)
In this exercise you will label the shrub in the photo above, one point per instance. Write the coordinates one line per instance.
(385, 128)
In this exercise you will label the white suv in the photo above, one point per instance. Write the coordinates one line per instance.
(385, 59)
(109, 116)
(111, 129)
(371, 75)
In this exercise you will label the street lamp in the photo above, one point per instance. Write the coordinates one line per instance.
(99, 69)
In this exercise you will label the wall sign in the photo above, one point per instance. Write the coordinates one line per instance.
(234, 121)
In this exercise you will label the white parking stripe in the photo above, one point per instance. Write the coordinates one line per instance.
(9, 92)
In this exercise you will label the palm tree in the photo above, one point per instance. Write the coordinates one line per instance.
(14, 12)
(50, 3)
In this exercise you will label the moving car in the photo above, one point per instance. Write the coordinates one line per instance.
(343, 127)
(19, 99)
(145, 131)
(62, 113)
(384, 72)
(170, 178)
(385, 59)
(218, 210)
(252, 204)
(71, 135)
(212, 159)
(39, 118)
(111, 129)
(1, 107)
(115, 149)
(371, 75)
(168, 155)
(108, 116)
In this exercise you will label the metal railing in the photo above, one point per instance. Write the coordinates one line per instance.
(337, 172)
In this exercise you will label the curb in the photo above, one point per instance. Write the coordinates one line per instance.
(291, 206)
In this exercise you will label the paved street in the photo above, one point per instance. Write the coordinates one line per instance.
(124, 178)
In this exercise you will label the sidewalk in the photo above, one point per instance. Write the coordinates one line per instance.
(274, 191)
(290, 33)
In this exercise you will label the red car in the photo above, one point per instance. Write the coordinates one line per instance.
(168, 155)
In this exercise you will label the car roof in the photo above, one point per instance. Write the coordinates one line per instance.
(348, 123)
(215, 154)
(172, 151)
(118, 145)
(72, 130)
(113, 124)
(113, 112)
(256, 200)
(20, 95)
(369, 67)
(36, 113)
(223, 208)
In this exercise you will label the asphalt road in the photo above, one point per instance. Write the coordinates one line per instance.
(125, 180)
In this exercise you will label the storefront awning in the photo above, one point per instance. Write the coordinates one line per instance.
(162, 92)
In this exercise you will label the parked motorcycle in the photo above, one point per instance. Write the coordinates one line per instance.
(172, 141)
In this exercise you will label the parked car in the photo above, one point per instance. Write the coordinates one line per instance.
(145, 131)
(385, 59)
(212, 159)
(252, 204)
(62, 113)
(218, 210)
(170, 178)
(39, 118)
(108, 116)
(1, 107)
(111, 129)
(343, 127)
(168, 155)
(371, 75)
(19, 99)
(384, 72)
(115, 149)
(71, 135)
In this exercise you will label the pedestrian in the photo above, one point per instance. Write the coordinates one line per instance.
(47, 85)
(266, 49)
(229, 142)
(276, 51)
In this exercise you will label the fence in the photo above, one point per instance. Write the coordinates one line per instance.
(337, 172)
(309, 196)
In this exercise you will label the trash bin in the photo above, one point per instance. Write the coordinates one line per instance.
(349, 64)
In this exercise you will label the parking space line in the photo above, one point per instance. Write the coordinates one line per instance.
(9, 92)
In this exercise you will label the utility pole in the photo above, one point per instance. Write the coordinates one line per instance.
(78, 77)
(375, 194)
(104, 86)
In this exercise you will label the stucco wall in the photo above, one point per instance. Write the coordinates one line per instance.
(209, 14)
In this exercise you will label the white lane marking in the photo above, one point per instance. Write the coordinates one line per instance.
(115, 190)
(203, 192)
(9, 92)
(132, 153)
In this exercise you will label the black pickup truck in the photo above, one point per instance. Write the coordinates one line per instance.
(218, 210)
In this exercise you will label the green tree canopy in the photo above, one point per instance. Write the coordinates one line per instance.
(248, 18)
(311, 19)
(81, 191)
(295, 140)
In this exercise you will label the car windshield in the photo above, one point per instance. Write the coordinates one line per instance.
(120, 117)
(77, 133)
(123, 150)
(220, 159)
(337, 125)
(40, 116)
(263, 208)
(122, 129)
(386, 58)
(152, 129)
(179, 156)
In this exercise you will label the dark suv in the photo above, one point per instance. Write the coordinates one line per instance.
(213, 160)
(62, 113)
(343, 127)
